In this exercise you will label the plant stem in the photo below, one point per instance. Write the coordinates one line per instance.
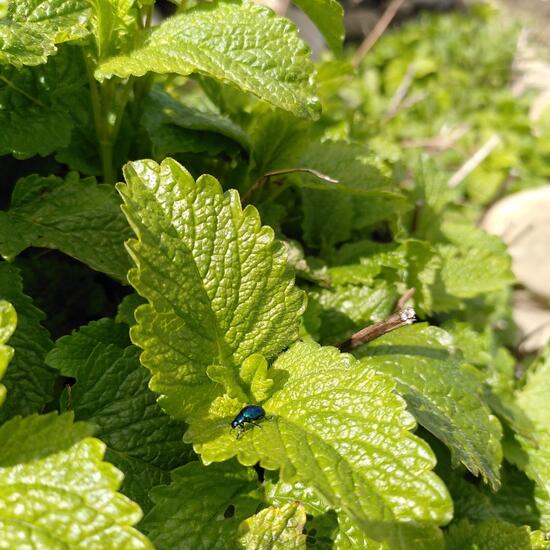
(148, 16)
(105, 145)
(121, 107)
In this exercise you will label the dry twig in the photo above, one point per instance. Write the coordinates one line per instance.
(438, 143)
(400, 93)
(377, 31)
(474, 161)
(404, 315)
(263, 179)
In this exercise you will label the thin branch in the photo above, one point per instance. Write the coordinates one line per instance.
(541, 328)
(403, 316)
(474, 161)
(413, 99)
(69, 406)
(263, 179)
(400, 93)
(438, 143)
(315, 173)
(377, 31)
(407, 296)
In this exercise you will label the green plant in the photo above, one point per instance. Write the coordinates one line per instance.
(184, 308)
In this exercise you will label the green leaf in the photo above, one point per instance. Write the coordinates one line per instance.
(348, 536)
(111, 391)
(347, 309)
(326, 529)
(487, 535)
(423, 265)
(175, 128)
(31, 29)
(539, 540)
(442, 392)
(362, 197)
(23, 45)
(514, 502)
(70, 353)
(475, 347)
(62, 18)
(28, 381)
(202, 507)
(278, 139)
(342, 431)
(218, 284)
(475, 263)
(233, 41)
(534, 455)
(50, 433)
(77, 217)
(126, 308)
(38, 104)
(8, 322)
(255, 375)
(310, 268)
(114, 23)
(328, 18)
(360, 261)
(274, 529)
(56, 492)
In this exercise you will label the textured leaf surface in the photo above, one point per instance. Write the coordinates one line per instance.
(217, 283)
(112, 392)
(113, 24)
(328, 529)
(346, 309)
(324, 528)
(487, 535)
(342, 431)
(474, 263)
(32, 28)
(468, 273)
(423, 265)
(328, 18)
(175, 128)
(38, 104)
(274, 529)
(202, 507)
(8, 322)
(126, 308)
(442, 392)
(78, 217)
(532, 400)
(235, 42)
(308, 268)
(359, 262)
(28, 381)
(56, 492)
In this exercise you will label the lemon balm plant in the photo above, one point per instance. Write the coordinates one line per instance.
(208, 289)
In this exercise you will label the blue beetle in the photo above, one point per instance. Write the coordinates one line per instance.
(250, 414)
